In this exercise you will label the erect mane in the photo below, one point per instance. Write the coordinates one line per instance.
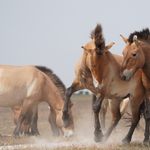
(142, 35)
(97, 35)
(61, 87)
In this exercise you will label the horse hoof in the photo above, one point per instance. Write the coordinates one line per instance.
(16, 136)
(66, 121)
(125, 141)
(98, 137)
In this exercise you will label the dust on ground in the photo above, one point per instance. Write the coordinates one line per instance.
(83, 134)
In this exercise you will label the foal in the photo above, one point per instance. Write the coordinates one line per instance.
(98, 70)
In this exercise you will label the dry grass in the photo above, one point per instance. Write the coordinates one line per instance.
(84, 128)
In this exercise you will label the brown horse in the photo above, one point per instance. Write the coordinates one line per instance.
(137, 55)
(30, 85)
(99, 71)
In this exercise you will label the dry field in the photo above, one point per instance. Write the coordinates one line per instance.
(84, 128)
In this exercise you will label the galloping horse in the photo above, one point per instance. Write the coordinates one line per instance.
(30, 85)
(99, 71)
(137, 55)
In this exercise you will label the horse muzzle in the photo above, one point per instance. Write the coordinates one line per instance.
(126, 76)
(68, 133)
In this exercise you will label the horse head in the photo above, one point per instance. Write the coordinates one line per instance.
(97, 61)
(55, 119)
(133, 57)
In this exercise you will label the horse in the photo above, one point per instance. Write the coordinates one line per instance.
(30, 85)
(136, 55)
(98, 70)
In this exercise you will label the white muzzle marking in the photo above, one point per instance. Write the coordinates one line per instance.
(68, 133)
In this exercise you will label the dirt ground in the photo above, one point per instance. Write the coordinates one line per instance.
(84, 128)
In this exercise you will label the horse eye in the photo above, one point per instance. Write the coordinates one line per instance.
(92, 66)
(134, 55)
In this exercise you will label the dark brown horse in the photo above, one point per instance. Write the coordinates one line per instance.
(137, 55)
(99, 71)
(30, 85)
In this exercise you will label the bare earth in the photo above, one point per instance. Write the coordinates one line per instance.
(84, 128)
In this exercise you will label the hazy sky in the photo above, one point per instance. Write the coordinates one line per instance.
(51, 32)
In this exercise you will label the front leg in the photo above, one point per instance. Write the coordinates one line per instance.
(76, 86)
(147, 120)
(98, 135)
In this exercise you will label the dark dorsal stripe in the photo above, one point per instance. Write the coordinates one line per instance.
(142, 35)
(54, 78)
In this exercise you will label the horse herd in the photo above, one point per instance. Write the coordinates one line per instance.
(108, 76)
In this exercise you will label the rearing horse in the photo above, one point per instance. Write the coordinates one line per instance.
(99, 71)
(137, 55)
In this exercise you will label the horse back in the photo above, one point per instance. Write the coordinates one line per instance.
(18, 83)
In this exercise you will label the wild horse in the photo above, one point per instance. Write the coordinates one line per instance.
(98, 70)
(30, 85)
(137, 55)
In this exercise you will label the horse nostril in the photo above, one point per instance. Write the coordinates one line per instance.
(124, 77)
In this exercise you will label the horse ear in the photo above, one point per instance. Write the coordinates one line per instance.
(87, 50)
(135, 39)
(125, 39)
(108, 46)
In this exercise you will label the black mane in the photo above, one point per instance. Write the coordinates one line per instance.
(54, 78)
(97, 35)
(142, 35)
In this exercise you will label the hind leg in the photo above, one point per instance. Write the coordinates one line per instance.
(73, 88)
(114, 106)
(135, 119)
(52, 121)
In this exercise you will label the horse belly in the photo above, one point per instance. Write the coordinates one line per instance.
(118, 92)
(10, 98)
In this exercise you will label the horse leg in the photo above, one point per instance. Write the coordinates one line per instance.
(147, 120)
(135, 108)
(22, 116)
(28, 122)
(52, 121)
(98, 135)
(34, 129)
(73, 88)
(103, 113)
(114, 106)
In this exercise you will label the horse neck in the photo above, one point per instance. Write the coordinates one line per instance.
(114, 62)
(53, 96)
(146, 67)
